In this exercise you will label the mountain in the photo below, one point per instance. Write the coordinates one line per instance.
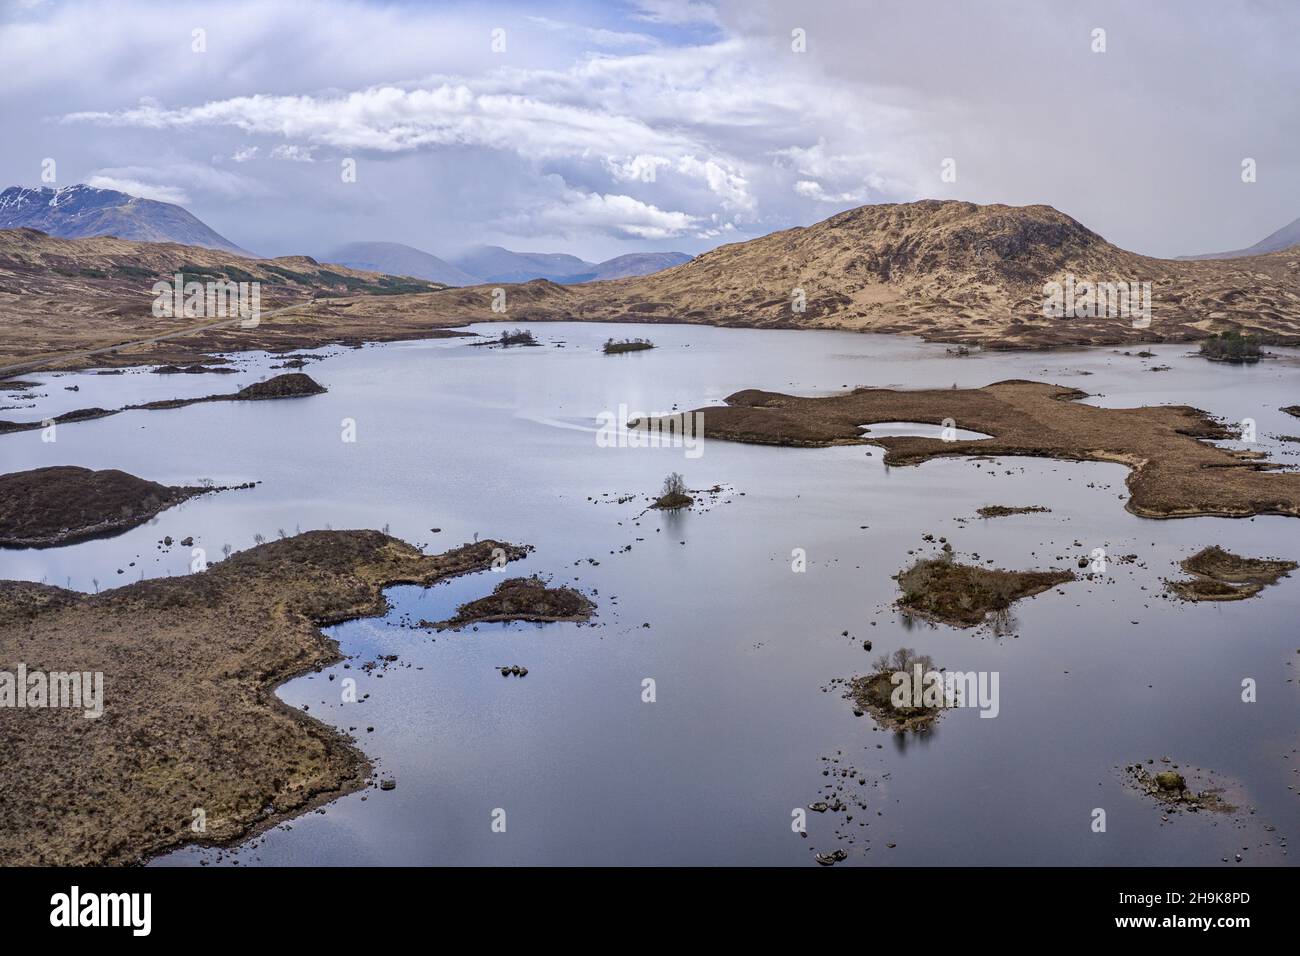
(637, 264)
(495, 264)
(77, 212)
(942, 269)
(396, 259)
(1284, 238)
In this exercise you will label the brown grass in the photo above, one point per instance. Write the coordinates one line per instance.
(520, 599)
(1174, 473)
(1220, 575)
(963, 595)
(190, 717)
(45, 507)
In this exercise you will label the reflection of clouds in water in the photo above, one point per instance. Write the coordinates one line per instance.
(919, 430)
(579, 425)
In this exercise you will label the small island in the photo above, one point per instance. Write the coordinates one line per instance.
(517, 337)
(1219, 575)
(288, 385)
(1003, 511)
(613, 347)
(1232, 347)
(673, 494)
(520, 599)
(963, 595)
(874, 693)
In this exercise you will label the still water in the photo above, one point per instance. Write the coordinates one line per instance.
(741, 649)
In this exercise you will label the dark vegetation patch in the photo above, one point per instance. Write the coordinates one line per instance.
(47, 507)
(193, 370)
(612, 347)
(963, 595)
(1233, 347)
(1002, 511)
(517, 337)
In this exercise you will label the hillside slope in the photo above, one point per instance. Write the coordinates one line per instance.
(67, 294)
(946, 270)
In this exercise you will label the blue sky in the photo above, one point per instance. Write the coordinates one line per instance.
(604, 128)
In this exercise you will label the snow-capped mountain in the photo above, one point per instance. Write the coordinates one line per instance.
(81, 211)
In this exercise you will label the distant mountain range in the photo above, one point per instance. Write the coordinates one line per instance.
(393, 258)
(483, 264)
(79, 212)
(1284, 238)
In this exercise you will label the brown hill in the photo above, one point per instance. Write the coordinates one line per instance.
(68, 294)
(949, 271)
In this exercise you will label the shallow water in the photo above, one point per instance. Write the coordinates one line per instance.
(741, 648)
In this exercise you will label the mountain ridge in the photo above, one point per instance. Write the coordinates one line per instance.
(483, 264)
(82, 211)
(944, 269)
(1284, 238)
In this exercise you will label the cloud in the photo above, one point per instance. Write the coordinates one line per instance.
(682, 106)
(144, 190)
(675, 12)
(811, 189)
(597, 35)
(293, 153)
(620, 215)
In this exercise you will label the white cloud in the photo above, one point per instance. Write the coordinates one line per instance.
(576, 212)
(811, 189)
(144, 190)
(675, 12)
(293, 153)
(687, 106)
(597, 35)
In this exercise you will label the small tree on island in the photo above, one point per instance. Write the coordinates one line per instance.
(1231, 346)
(674, 493)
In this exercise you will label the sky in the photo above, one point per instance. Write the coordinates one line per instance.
(603, 127)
